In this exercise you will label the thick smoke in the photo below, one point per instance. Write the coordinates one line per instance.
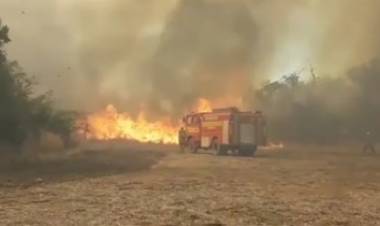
(163, 58)
(163, 55)
(41, 41)
(114, 39)
(332, 35)
(205, 51)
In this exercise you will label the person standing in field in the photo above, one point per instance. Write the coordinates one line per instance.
(182, 138)
(369, 145)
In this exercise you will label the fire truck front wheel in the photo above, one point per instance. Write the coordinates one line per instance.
(222, 150)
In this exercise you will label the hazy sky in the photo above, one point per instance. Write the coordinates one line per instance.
(98, 50)
(41, 41)
(52, 39)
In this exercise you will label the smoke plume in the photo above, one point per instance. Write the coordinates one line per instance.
(164, 61)
(162, 56)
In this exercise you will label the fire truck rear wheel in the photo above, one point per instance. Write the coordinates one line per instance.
(247, 151)
(242, 152)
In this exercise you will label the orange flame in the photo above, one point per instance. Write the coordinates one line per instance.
(204, 106)
(111, 125)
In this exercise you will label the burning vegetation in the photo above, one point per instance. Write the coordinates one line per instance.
(176, 72)
(110, 124)
(181, 51)
(204, 105)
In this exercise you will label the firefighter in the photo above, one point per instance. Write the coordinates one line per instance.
(182, 138)
(87, 130)
(369, 145)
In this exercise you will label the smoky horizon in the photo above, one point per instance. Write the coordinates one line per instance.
(296, 61)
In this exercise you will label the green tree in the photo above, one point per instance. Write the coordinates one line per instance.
(23, 113)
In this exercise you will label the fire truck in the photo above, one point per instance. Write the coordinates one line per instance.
(223, 130)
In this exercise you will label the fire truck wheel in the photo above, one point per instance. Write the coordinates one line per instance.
(247, 151)
(242, 152)
(253, 151)
(222, 150)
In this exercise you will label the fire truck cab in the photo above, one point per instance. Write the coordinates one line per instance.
(223, 130)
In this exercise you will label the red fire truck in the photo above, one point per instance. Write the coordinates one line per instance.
(223, 130)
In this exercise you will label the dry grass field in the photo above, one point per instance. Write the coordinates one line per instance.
(123, 184)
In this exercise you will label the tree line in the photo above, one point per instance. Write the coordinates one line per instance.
(323, 109)
(25, 114)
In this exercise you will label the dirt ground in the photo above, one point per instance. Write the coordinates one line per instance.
(156, 185)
